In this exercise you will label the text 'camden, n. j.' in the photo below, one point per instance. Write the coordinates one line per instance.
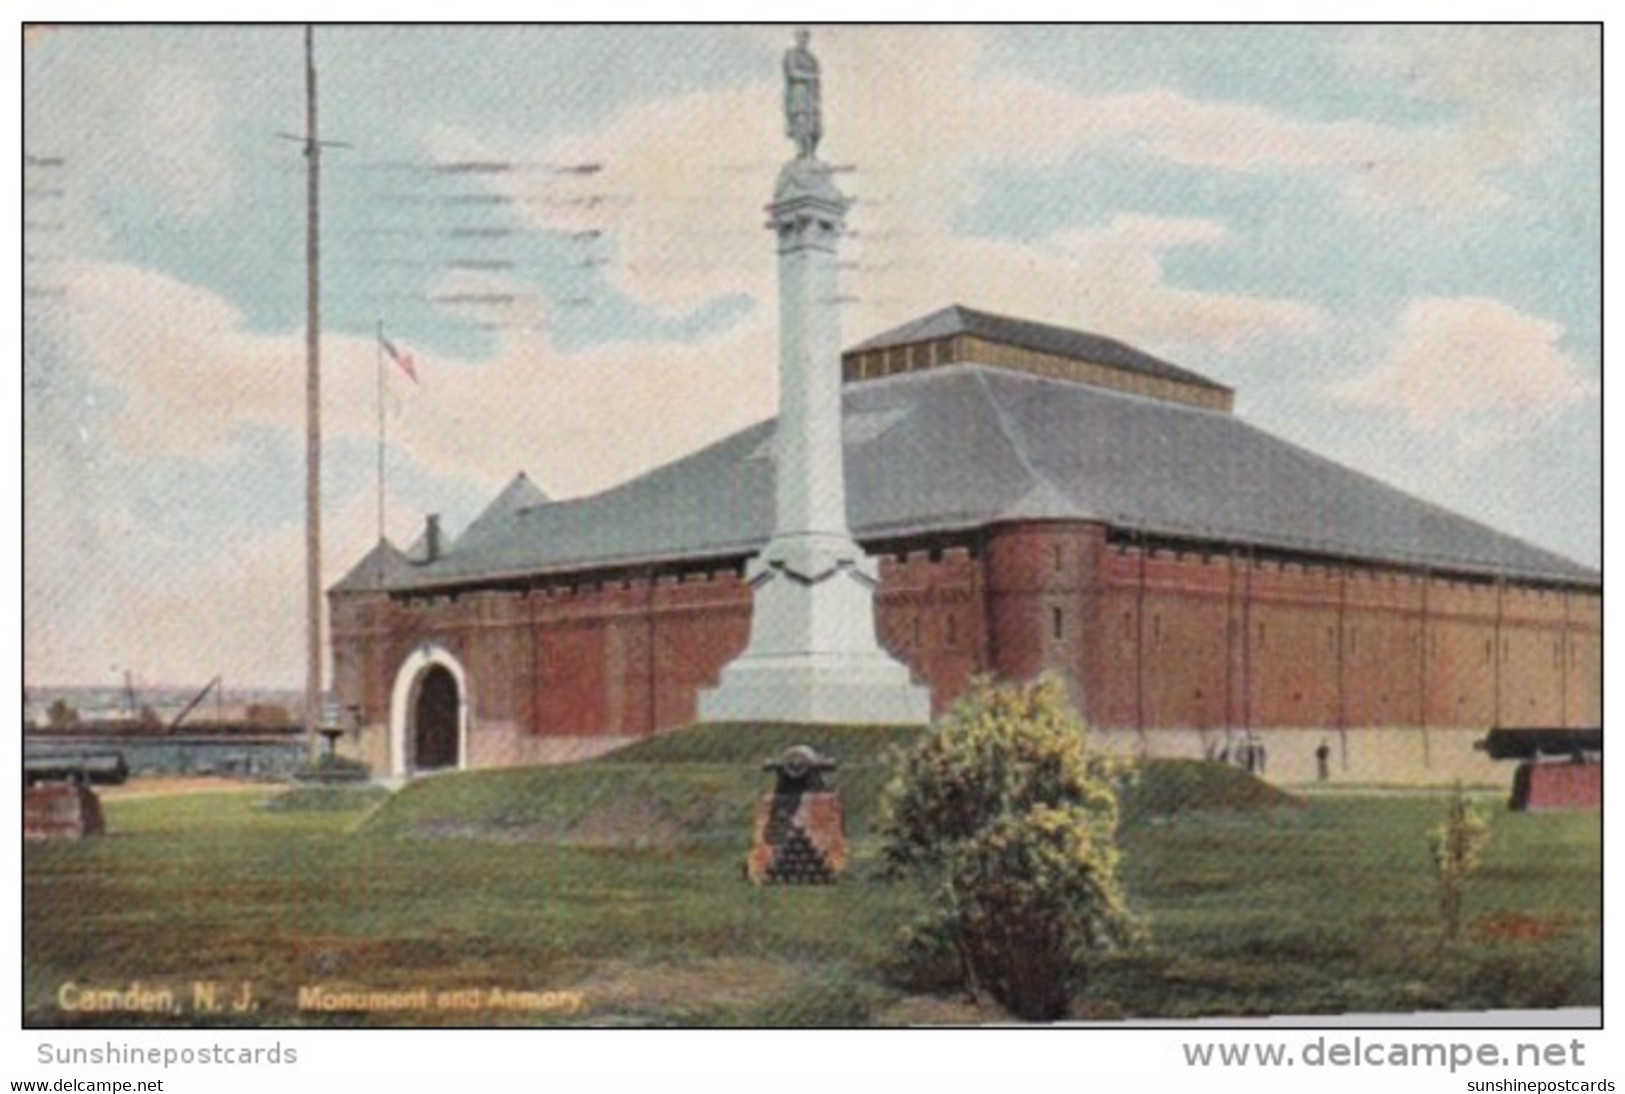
(158, 997)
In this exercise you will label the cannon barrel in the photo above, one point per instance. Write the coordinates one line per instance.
(101, 768)
(1528, 743)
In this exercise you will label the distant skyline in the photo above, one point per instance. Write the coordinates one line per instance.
(1386, 239)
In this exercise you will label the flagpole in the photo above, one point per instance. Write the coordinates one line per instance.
(313, 428)
(378, 349)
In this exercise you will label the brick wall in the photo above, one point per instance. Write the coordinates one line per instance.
(1146, 635)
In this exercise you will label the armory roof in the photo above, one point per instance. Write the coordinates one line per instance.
(1027, 334)
(965, 446)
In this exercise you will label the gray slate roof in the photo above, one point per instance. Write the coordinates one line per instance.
(497, 518)
(377, 569)
(1027, 334)
(966, 445)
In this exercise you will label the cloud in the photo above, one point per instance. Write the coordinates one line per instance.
(695, 170)
(159, 133)
(179, 366)
(137, 365)
(1514, 88)
(1477, 366)
(583, 421)
(97, 605)
(181, 378)
(698, 168)
(1492, 67)
(183, 375)
(1109, 279)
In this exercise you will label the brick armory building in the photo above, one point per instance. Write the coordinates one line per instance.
(1041, 499)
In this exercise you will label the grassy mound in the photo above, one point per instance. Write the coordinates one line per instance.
(325, 799)
(1166, 787)
(698, 787)
(753, 743)
(691, 787)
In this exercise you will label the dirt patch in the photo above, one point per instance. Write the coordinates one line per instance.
(638, 824)
(489, 833)
(1513, 927)
(164, 785)
(933, 1010)
(617, 987)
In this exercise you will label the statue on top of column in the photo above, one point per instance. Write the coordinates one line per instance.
(803, 115)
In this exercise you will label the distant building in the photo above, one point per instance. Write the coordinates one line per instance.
(1042, 499)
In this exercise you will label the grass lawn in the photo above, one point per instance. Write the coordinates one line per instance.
(612, 893)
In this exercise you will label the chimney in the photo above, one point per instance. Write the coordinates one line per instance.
(431, 537)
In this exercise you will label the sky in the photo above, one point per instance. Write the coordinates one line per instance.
(1386, 239)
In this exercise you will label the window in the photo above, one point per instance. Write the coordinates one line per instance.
(1057, 623)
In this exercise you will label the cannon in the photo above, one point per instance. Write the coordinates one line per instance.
(800, 770)
(98, 768)
(1503, 743)
(800, 834)
(1557, 768)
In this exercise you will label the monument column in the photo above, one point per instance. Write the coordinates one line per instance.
(813, 655)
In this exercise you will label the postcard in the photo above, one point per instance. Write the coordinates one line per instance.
(552, 526)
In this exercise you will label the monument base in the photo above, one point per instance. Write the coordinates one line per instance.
(813, 689)
(813, 657)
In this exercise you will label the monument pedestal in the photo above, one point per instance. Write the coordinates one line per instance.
(817, 690)
(813, 656)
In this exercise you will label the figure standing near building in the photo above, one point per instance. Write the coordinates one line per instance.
(1323, 761)
(803, 113)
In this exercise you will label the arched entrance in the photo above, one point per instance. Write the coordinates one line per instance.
(428, 713)
(434, 720)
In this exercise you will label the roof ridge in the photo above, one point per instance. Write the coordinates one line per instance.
(1041, 336)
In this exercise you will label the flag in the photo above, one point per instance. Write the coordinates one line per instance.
(404, 360)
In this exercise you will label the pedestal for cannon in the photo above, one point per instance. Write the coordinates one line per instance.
(800, 836)
(65, 810)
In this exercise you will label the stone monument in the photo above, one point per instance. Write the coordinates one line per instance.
(813, 656)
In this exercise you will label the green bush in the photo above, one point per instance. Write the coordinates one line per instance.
(1011, 824)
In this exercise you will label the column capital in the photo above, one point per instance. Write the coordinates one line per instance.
(801, 225)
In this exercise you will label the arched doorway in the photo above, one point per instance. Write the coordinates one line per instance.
(428, 713)
(434, 720)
